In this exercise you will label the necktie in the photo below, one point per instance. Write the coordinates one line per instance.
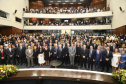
(90, 53)
(2, 52)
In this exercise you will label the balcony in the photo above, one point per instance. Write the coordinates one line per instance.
(68, 16)
(90, 27)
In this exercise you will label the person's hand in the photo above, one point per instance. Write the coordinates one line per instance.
(66, 54)
(83, 56)
(117, 63)
(100, 59)
(10, 55)
(78, 55)
(50, 53)
(93, 59)
(87, 58)
(54, 52)
(107, 59)
(30, 56)
(57, 56)
(2, 57)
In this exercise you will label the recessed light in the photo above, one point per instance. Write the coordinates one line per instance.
(50, 4)
(51, 1)
(81, 0)
(58, 1)
(71, 3)
(79, 3)
(66, 1)
(63, 3)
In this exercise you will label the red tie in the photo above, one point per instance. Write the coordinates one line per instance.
(2, 52)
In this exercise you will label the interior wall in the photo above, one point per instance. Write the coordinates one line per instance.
(98, 3)
(120, 30)
(119, 17)
(36, 5)
(10, 6)
(7, 30)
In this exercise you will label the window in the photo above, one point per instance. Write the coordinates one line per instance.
(18, 19)
(3, 14)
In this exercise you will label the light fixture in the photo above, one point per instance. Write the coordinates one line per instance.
(81, 0)
(58, 1)
(50, 4)
(79, 3)
(71, 3)
(51, 1)
(73, 0)
(66, 1)
(63, 3)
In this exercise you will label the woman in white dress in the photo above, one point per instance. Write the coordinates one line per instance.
(115, 60)
(41, 60)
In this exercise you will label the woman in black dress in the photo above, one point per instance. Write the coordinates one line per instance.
(46, 54)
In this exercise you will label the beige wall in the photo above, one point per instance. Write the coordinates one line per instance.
(10, 6)
(119, 17)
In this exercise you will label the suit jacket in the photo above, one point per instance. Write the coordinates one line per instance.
(65, 51)
(88, 46)
(84, 53)
(98, 56)
(35, 53)
(78, 50)
(59, 53)
(4, 54)
(111, 48)
(72, 50)
(92, 55)
(109, 56)
(54, 50)
(95, 47)
(8, 52)
(21, 52)
(29, 53)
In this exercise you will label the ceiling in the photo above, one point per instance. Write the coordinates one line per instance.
(62, 1)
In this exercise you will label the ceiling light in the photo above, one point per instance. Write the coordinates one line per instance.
(74, 0)
(71, 3)
(81, 0)
(58, 1)
(66, 1)
(50, 4)
(79, 3)
(51, 1)
(63, 3)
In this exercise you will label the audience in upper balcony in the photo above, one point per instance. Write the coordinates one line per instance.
(61, 23)
(66, 10)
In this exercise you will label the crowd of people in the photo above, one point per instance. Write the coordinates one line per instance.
(99, 53)
(71, 10)
(60, 23)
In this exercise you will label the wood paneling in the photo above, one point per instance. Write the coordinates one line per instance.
(120, 30)
(98, 3)
(67, 5)
(36, 5)
(9, 30)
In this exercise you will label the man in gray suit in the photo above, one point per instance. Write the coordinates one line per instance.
(72, 52)
(29, 56)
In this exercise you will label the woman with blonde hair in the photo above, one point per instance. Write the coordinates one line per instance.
(115, 60)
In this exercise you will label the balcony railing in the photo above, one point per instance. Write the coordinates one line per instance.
(90, 27)
(69, 16)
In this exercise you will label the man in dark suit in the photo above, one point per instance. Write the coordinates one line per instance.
(107, 55)
(55, 48)
(10, 55)
(84, 55)
(78, 54)
(91, 56)
(95, 45)
(2, 55)
(66, 54)
(35, 55)
(88, 45)
(98, 58)
(21, 54)
(59, 53)
(51, 52)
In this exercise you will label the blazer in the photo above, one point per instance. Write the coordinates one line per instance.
(4, 53)
(109, 56)
(59, 53)
(21, 52)
(98, 56)
(84, 53)
(78, 50)
(65, 51)
(35, 53)
(29, 53)
(93, 54)
(10, 53)
(72, 50)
